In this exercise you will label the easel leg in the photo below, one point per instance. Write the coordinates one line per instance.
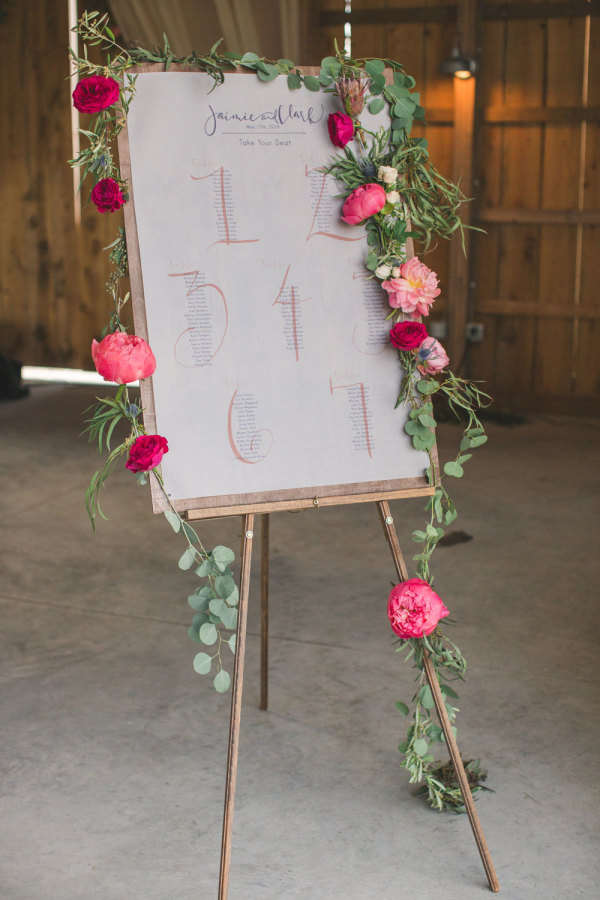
(390, 532)
(236, 706)
(264, 611)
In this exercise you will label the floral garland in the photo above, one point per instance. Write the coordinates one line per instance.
(389, 186)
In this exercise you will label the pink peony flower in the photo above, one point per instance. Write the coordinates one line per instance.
(146, 452)
(432, 357)
(407, 335)
(363, 202)
(415, 290)
(123, 358)
(414, 609)
(107, 195)
(95, 93)
(341, 129)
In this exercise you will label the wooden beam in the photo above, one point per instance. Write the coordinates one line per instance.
(502, 307)
(507, 216)
(567, 9)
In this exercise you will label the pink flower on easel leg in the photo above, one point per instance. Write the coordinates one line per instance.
(107, 195)
(431, 357)
(123, 358)
(146, 452)
(414, 609)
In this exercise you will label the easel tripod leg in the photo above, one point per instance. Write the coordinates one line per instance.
(236, 706)
(390, 532)
(264, 611)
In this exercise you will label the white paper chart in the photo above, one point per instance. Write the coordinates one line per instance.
(274, 369)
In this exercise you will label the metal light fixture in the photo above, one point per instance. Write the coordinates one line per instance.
(458, 64)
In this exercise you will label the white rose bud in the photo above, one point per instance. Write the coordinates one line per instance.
(393, 197)
(387, 174)
(383, 271)
(396, 272)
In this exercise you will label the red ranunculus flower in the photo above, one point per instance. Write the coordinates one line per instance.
(123, 358)
(363, 202)
(146, 452)
(408, 335)
(95, 93)
(414, 609)
(341, 128)
(107, 195)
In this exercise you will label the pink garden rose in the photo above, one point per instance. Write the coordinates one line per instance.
(414, 609)
(432, 357)
(107, 195)
(146, 452)
(95, 94)
(123, 358)
(407, 335)
(363, 202)
(414, 290)
(341, 128)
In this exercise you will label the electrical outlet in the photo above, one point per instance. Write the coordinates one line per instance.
(475, 332)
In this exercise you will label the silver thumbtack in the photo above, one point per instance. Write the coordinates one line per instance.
(249, 535)
(388, 520)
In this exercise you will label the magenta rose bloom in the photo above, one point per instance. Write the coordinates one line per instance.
(414, 609)
(408, 335)
(123, 358)
(146, 452)
(341, 128)
(95, 93)
(415, 290)
(107, 195)
(363, 202)
(431, 357)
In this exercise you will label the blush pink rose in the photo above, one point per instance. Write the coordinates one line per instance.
(407, 335)
(107, 195)
(414, 609)
(341, 129)
(414, 290)
(123, 358)
(146, 452)
(363, 202)
(95, 93)
(431, 357)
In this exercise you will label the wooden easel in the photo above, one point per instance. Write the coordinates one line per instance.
(238, 677)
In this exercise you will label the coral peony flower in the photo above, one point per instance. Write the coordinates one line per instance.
(95, 93)
(363, 202)
(415, 290)
(146, 452)
(432, 357)
(387, 174)
(414, 609)
(408, 335)
(107, 195)
(341, 129)
(123, 358)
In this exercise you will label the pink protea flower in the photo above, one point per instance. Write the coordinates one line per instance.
(414, 609)
(363, 202)
(123, 358)
(432, 357)
(414, 290)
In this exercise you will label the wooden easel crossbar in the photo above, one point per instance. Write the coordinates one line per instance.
(248, 525)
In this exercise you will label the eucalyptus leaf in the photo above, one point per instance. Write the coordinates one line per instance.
(208, 633)
(294, 81)
(222, 681)
(420, 747)
(229, 617)
(376, 105)
(173, 520)
(222, 556)
(188, 559)
(232, 642)
(427, 697)
(402, 707)
(311, 83)
(202, 663)
(454, 469)
(217, 606)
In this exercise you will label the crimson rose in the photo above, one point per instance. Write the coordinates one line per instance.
(408, 335)
(107, 195)
(341, 128)
(146, 452)
(95, 93)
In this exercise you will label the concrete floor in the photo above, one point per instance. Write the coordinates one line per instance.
(113, 749)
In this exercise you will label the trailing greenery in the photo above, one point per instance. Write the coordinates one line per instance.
(428, 209)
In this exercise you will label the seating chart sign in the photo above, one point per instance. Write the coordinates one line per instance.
(275, 378)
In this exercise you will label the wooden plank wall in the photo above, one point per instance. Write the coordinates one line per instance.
(535, 274)
(52, 274)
